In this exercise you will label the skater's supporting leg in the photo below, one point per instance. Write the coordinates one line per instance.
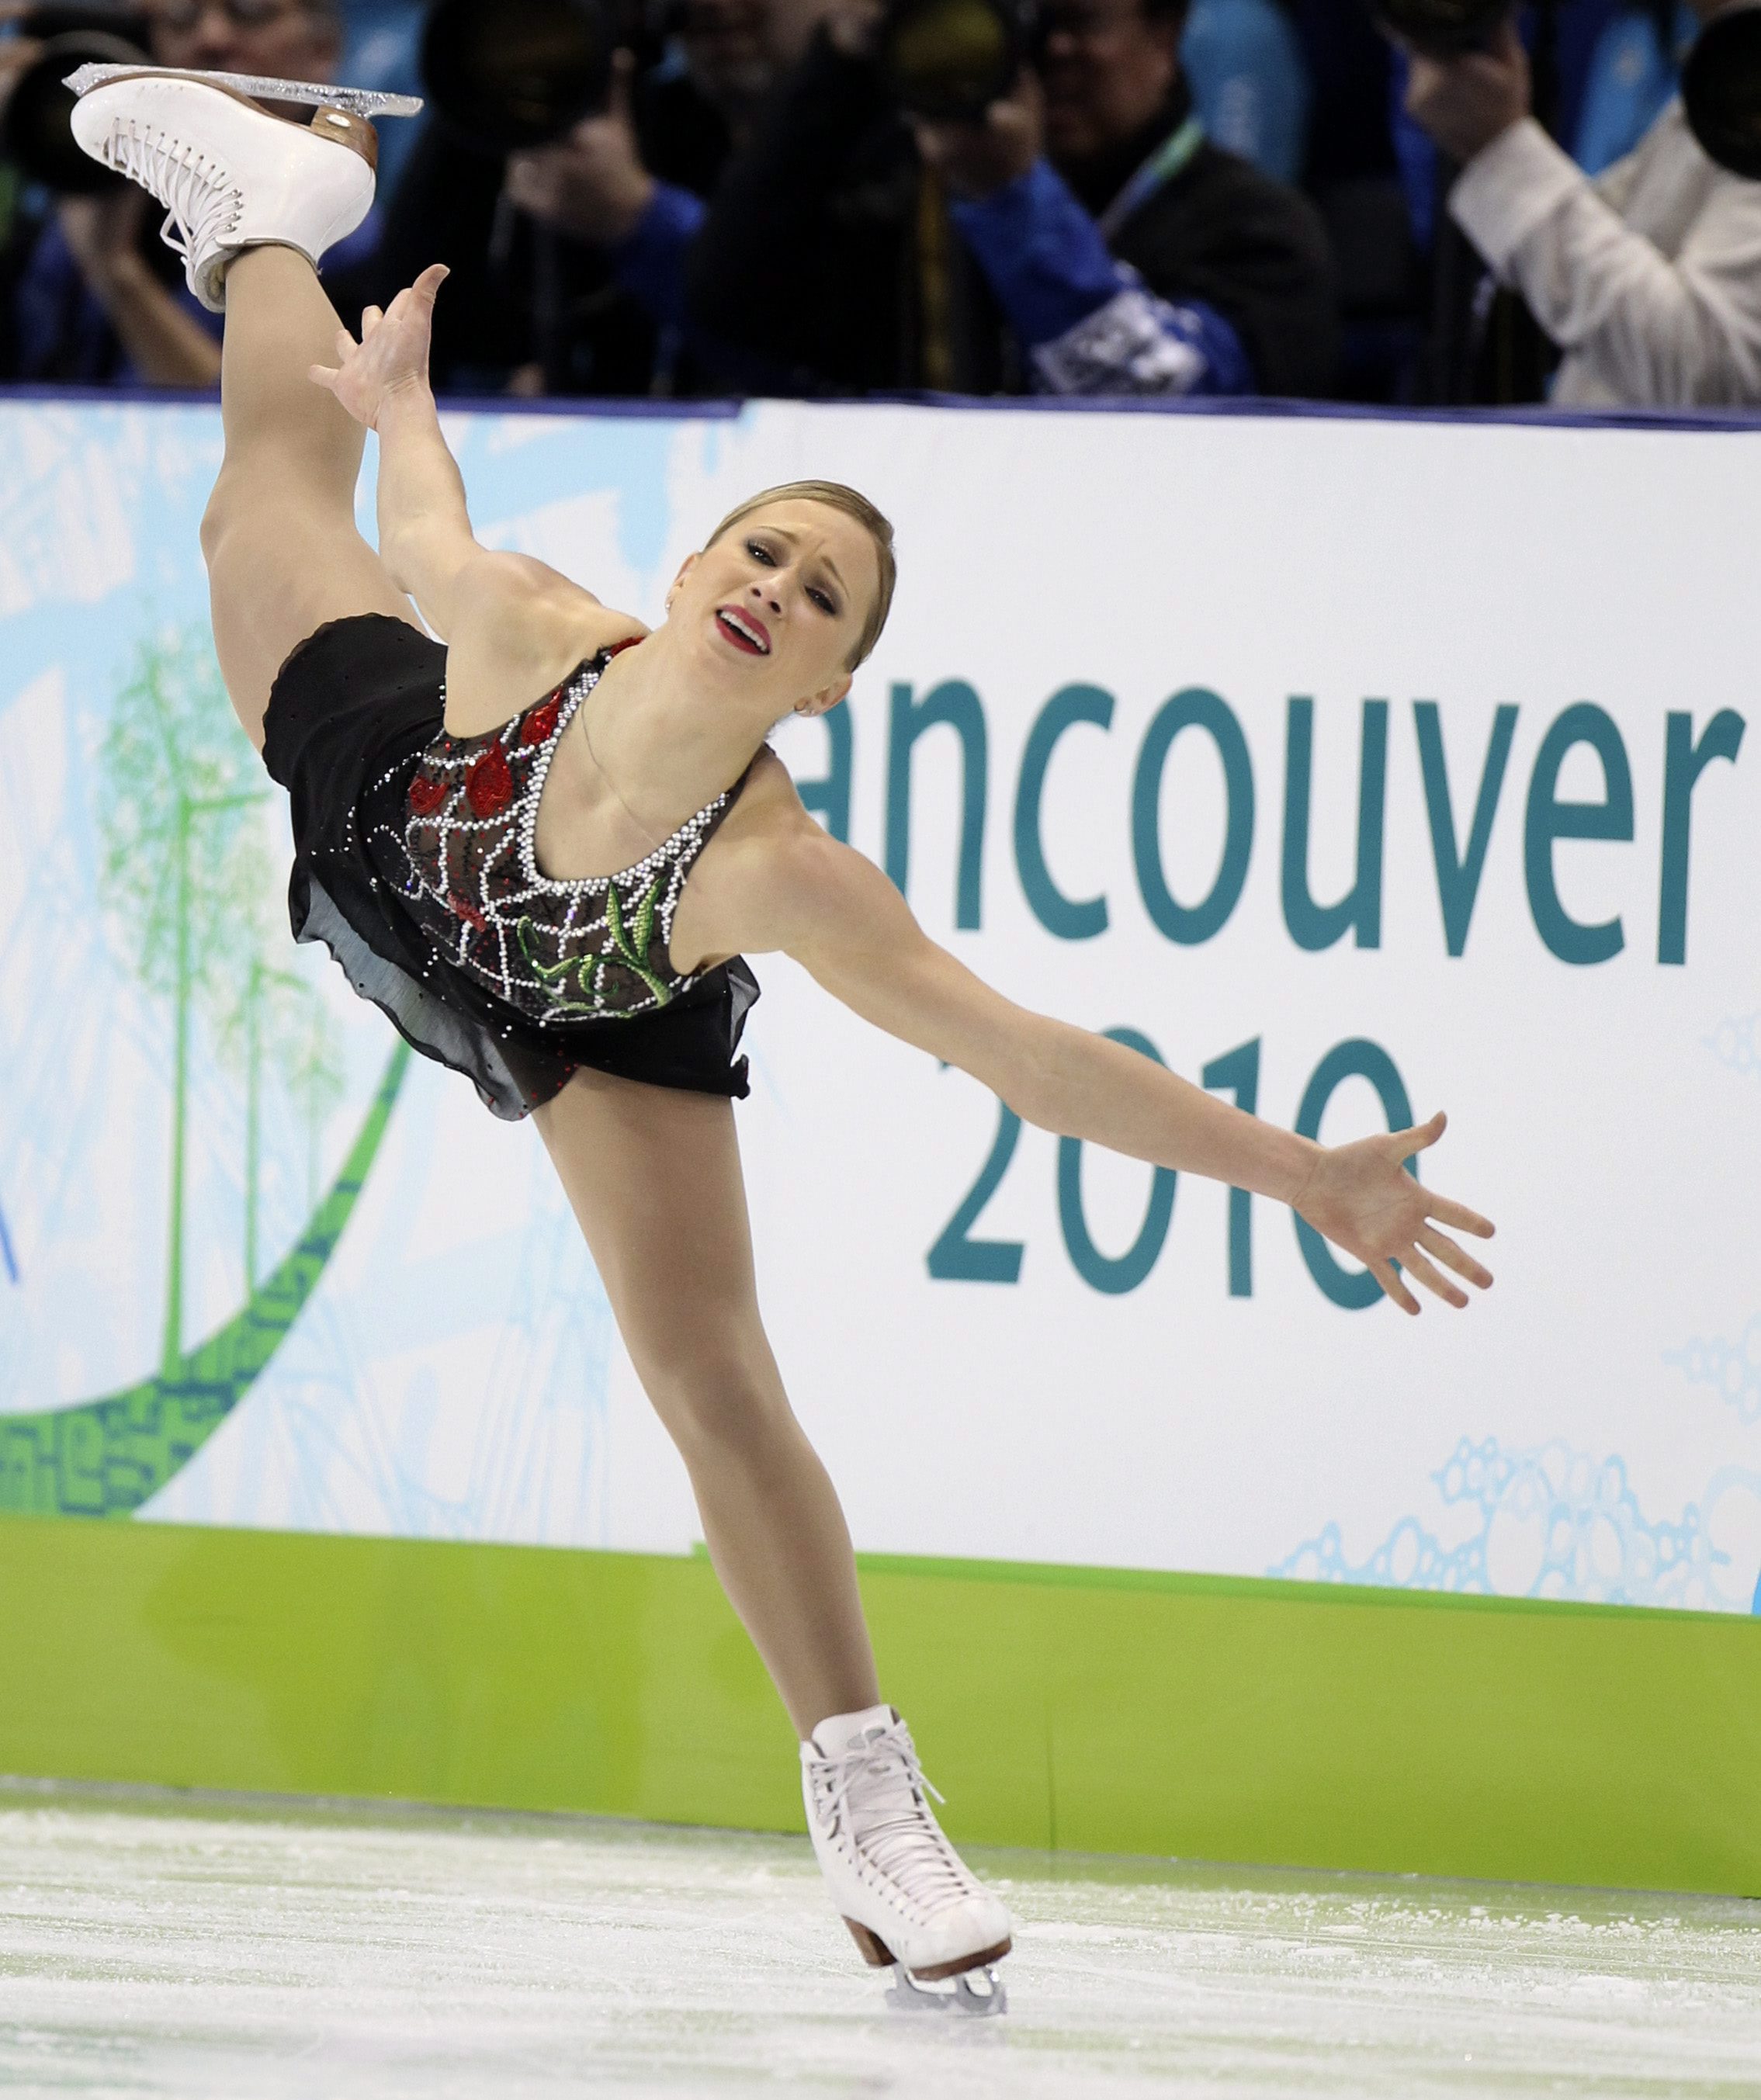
(283, 553)
(653, 1177)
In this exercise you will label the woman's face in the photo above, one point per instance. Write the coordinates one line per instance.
(778, 604)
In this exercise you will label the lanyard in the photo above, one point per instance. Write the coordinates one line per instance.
(1162, 166)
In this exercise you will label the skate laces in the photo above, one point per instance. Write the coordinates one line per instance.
(201, 206)
(876, 1796)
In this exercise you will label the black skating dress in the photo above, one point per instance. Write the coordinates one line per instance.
(414, 865)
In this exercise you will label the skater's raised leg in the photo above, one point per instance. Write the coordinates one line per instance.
(283, 554)
(254, 201)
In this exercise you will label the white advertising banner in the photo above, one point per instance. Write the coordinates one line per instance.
(1353, 768)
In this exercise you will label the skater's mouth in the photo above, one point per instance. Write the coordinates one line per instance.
(745, 630)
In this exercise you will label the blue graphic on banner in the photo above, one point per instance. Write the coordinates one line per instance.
(1551, 1522)
(180, 1086)
(1736, 1041)
(1732, 1368)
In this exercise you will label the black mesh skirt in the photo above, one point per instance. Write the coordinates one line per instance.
(351, 712)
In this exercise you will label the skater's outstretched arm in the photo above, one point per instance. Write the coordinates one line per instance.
(835, 912)
(513, 625)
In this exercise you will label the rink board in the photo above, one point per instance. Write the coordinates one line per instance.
(1226, 733)
(1193, 1718)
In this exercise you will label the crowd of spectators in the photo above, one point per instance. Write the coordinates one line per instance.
(1222, 197)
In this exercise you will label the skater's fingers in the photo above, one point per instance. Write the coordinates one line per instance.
(1448, 1212)
(1388, 1277)
(323, 375)
(371, 317)
(346, 346)
(428, 285)
(1422, 1136)
(1452, 1256)
(1439, 1286)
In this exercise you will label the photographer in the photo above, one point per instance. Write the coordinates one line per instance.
(1131, 256)
(631, 179)
(98, 296)
(567, 254)
(1649, 279)
(1096, 242)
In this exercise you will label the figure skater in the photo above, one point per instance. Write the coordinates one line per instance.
(543, 843)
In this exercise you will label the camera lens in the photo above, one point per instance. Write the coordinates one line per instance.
(1721, 91)
(36, 133)
(948, 61)
(511, 74)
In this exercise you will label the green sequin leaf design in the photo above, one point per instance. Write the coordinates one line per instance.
(553, 976)
(632, 949)
(547, 973)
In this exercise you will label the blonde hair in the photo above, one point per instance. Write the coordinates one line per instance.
(854, 504)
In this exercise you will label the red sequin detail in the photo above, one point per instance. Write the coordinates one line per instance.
(465, 910)
(489, 784)
(426, 794)
(629, 641)
(542, 721)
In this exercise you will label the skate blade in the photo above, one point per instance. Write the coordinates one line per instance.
(959, 1995)
(355, 101)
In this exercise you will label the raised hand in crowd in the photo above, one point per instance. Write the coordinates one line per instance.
(104, 233)
(593, 185)
(978, 159)
(1645, 278)
(107, 236)
(1467, 102)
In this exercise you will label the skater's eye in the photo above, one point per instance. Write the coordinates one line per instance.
(823, 599)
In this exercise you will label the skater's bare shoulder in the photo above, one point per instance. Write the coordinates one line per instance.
(773, 880)
(517, 628)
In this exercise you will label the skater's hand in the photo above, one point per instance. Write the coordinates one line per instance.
(593, 185)
(392, 355)
(1359, 1196)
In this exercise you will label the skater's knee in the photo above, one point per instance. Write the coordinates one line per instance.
(237, 504)
(716, 1404)
(280, 494)
(214, 522)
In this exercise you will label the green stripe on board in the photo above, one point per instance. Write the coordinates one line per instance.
(1186, 1716)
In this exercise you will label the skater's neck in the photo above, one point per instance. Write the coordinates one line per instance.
(675, 736)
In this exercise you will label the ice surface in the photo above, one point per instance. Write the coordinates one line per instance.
(195, 1948)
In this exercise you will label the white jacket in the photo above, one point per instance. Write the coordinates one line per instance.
(1649, 279)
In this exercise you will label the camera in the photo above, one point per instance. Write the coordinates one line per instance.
(1721, 90)
(36, 135)
(1721, 78)
(948, 61)
(510, 75)
(1441, 28)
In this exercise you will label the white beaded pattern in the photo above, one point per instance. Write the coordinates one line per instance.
(557, 911)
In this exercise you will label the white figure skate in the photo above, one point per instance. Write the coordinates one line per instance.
(229, 176)
(910, 1902)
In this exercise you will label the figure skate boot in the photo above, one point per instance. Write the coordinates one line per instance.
(910, 1902)
(229, 176)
